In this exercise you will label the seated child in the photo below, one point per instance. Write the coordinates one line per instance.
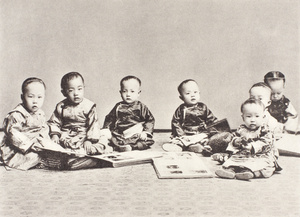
(74, 123)
(253, 151)
(259, 91)
(262, 92)
(130, 121)
(24, 126)
(281, 107)
(190, 120)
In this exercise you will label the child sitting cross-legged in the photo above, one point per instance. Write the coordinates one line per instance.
(190, 121)
(74, 123)
(130, 121)
(24, 127)
(253, 151)
(259, 91)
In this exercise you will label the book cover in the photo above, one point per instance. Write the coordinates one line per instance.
(180, 165)
(219, 126)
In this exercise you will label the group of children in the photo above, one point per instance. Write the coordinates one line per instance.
(250, 152)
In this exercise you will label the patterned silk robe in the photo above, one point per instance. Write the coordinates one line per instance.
(21, 130)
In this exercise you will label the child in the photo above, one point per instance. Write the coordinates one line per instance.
(190, 120)
(259, 91)
(74, 123)
(253, 151)
(262, 92)
(24, 126)
(281, 107)
(130, 121)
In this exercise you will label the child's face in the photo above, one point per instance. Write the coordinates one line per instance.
(190, 93)
(277, 87)
(253, 116)
(130, 91)
(262, 94)
(74, 90)
(33, 97)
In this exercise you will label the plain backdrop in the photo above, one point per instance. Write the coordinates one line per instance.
(225, 45)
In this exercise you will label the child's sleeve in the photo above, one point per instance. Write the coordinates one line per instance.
(236, 135)
(149, 120)
(55, 121)
(110, 119)
(291, 111)
(176, 123)
(210, 118)
(93, 131)
(264, 143)
(13, 128)
(292, 121)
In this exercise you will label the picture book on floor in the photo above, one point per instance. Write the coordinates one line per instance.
(116, 159)
(120, 159)
(180, 165)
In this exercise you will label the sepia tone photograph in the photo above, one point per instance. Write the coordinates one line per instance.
(149, 108)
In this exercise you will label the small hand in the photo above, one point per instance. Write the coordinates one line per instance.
(238, 142)
(143, 136)
(87, 145)
(55, 138)
(108, 149)
(185, 138)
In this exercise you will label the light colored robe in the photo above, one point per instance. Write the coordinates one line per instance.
(75, 124)
(21, 130)
(258, 153)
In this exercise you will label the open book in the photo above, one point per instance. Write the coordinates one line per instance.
(54, 154)
(138, 128)
(127, 158)
(49, 145)
(176, 165)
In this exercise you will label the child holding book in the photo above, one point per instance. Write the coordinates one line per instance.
(130, 121)
(281, 107)
(74, 123)
(24, 127)
(190, 121)
(253, 151)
